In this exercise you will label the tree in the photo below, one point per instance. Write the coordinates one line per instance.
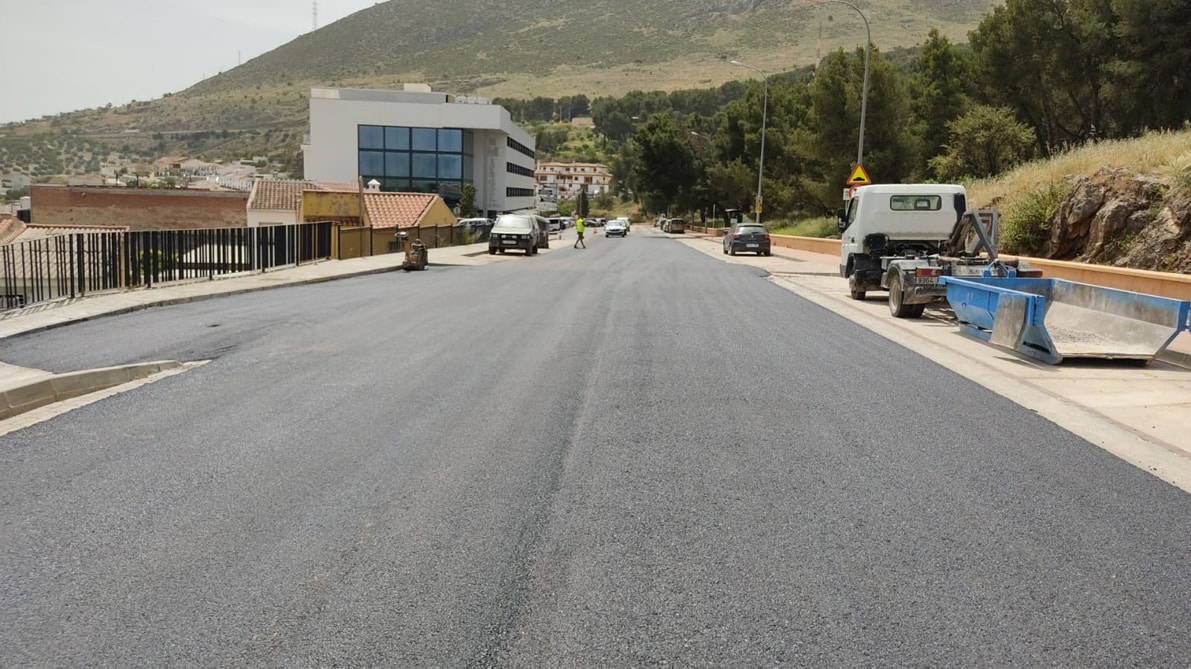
(467, 201)
(581, 204)
(984, 142)
(1048, 61)
(665, 170)
(939, 91)
(1154, 59)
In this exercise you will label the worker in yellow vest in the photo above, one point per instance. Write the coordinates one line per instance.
(579, 231)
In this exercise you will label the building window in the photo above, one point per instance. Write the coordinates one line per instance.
(518, 192)
(519, 147)
(513, 168)
(428, 160)
(372, 137)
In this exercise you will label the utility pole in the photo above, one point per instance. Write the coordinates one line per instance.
(314, 21)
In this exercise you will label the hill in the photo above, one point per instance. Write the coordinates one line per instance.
(511, 48)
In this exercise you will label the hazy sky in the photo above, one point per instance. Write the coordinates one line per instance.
(66, 55)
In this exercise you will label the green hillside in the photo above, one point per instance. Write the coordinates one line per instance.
(524, 49)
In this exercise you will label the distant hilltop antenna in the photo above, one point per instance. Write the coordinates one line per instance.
(314, 20)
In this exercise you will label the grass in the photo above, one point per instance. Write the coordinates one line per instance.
(1165, 154)
(818, 226)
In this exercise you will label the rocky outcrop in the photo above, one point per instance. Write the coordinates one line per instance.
(1121, 218)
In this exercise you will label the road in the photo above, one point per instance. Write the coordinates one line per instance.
(630, 455)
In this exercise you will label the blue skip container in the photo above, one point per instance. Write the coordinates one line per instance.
(1054, 319)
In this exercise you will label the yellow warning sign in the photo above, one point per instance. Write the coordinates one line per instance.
(859, 177)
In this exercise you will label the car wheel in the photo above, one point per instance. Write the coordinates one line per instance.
(732, 251)
(491, 252)
(725, 250)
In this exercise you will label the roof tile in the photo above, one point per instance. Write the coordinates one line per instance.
(397, 210)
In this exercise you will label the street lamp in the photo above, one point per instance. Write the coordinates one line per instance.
(868, 47)
(764, 118)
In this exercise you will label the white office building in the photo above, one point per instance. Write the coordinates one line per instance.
(415, 140)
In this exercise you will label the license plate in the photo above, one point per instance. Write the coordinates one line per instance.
(752, 246)
(510, 242)
(926, 280)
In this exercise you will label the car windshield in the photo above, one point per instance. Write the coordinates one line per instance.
(750, 229)
(521, 222)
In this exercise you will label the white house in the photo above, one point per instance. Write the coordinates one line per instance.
(416, 140)
(565, 180)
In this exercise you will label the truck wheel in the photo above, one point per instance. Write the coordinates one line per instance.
(854, 288)
(897, 299)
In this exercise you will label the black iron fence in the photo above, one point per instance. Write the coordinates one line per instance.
(75, 264)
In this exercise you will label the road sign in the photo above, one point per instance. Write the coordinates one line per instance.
(859, 177)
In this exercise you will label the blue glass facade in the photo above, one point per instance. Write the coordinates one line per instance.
(424, 160)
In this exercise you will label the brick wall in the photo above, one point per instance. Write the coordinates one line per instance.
(138, 208)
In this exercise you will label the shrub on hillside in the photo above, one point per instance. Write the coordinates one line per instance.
(1025, 223)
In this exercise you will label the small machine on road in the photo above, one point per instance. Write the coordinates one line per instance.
(415, 252)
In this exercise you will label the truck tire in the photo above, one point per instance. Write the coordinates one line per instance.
(897, 303)
(854, 288)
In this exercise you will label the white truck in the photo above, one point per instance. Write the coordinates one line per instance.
(903, 237)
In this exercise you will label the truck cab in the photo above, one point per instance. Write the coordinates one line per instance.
(887, 220)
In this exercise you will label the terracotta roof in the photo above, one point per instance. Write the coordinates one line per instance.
(11, 227)
(274, 194)
(397, 210)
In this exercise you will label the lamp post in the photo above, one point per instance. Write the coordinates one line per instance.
(764, 118)
(868, 47)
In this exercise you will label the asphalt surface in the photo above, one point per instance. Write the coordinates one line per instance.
(630, 455)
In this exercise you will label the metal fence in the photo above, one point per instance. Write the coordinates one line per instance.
(75, 264)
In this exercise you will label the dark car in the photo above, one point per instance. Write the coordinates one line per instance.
(524, 232)
(749, 237)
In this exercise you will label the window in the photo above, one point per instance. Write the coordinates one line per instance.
(371, 137)
(431, 160)
(915, 202)
(512, 168)
(450, 166)
(397, 139)
(372, 162)
(424, 165)
(425, 139)
(518, 192)
(450, 140)
(396, 164)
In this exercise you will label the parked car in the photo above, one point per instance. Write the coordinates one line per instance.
(525, 232)
(616, 228)
(628, 226)
(674, 225)
(557, 224)
(749, 237)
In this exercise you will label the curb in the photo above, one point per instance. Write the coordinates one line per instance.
(58, 387)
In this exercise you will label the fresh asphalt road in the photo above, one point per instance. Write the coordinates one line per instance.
(630, 455)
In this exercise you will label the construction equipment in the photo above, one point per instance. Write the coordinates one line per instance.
(1053, 319)
(415, 252)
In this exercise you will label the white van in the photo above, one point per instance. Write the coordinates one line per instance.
(894, 219)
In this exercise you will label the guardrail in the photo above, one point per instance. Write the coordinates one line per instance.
(1164, 284)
